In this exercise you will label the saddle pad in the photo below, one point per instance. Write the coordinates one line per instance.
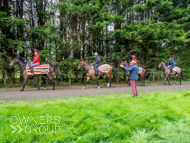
(140, 70)
(177, 69)
(40, 69)
(103, 68)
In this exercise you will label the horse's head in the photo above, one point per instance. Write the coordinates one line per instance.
(160, 65)
(124, 63)
(81, 64)
(14, 62)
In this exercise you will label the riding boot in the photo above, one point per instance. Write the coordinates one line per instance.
(96, 72)
(32, 72)
(171, 74)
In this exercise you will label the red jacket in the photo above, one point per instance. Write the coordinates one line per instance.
(134, 60)
(36, 59)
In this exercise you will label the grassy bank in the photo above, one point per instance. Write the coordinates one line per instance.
(161, 116)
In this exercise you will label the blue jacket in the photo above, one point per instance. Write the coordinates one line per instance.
(98, 60)
(171, 63)
(134, 71)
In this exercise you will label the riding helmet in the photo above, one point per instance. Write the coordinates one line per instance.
(96, 54)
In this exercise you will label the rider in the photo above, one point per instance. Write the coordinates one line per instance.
(134, 59)
(171, 64)
(35, 62)
(96, 63)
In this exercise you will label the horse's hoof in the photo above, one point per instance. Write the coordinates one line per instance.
(83, 88)
(174, 84)
(108, 85)
(53, 89)
(21, 90)
(98, 86)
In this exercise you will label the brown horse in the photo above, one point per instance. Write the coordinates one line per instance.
(142, 75)
(22, 65)
(91, 73)
(167, 72)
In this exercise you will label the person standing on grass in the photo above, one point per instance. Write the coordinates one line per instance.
(133, 76)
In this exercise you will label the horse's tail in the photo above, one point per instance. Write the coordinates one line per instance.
(146, 74)
(182, 75)
(57, 72)
(115, 73)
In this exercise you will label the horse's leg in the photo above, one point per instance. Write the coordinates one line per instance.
(127, 81)
(179, 75)
(25, 81)
(35, 84)
(110, 81)
(47, 82)
(175, 79)
(109, 76)
(165, 80)
(144, 76)
(95, 78)
(141, 79)
(144, 81)
(86, 81)
(53, 81)
(168, 80)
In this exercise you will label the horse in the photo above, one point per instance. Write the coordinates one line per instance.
(91, 73)
(143, 74)
(22, 65)
(167, 72)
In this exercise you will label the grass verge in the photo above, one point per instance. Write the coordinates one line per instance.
(156, 116)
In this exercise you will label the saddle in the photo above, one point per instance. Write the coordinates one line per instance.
(140, 70)
(176, 69)
(103, 68)
(40, 69)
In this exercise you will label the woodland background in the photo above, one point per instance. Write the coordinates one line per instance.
(65, 31)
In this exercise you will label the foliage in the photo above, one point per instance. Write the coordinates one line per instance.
(66, 31)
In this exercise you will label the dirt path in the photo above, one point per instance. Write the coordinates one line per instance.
(15, 94)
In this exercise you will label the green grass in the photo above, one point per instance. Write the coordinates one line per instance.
(159, 116)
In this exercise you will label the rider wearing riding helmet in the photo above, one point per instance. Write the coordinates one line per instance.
(134, 59)
(171, 64)
(96, 63)
(35, 62)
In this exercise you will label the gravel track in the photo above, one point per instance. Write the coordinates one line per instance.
(16, 94)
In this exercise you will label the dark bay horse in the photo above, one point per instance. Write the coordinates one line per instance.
(22, 66)
(167, 72)
(91, 73)
(142, 75)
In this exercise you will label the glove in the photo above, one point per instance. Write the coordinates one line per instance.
(31, 63)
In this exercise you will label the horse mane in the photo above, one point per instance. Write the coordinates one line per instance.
(85, 62)
(21, 60)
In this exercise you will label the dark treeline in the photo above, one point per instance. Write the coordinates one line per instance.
(65, 31)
